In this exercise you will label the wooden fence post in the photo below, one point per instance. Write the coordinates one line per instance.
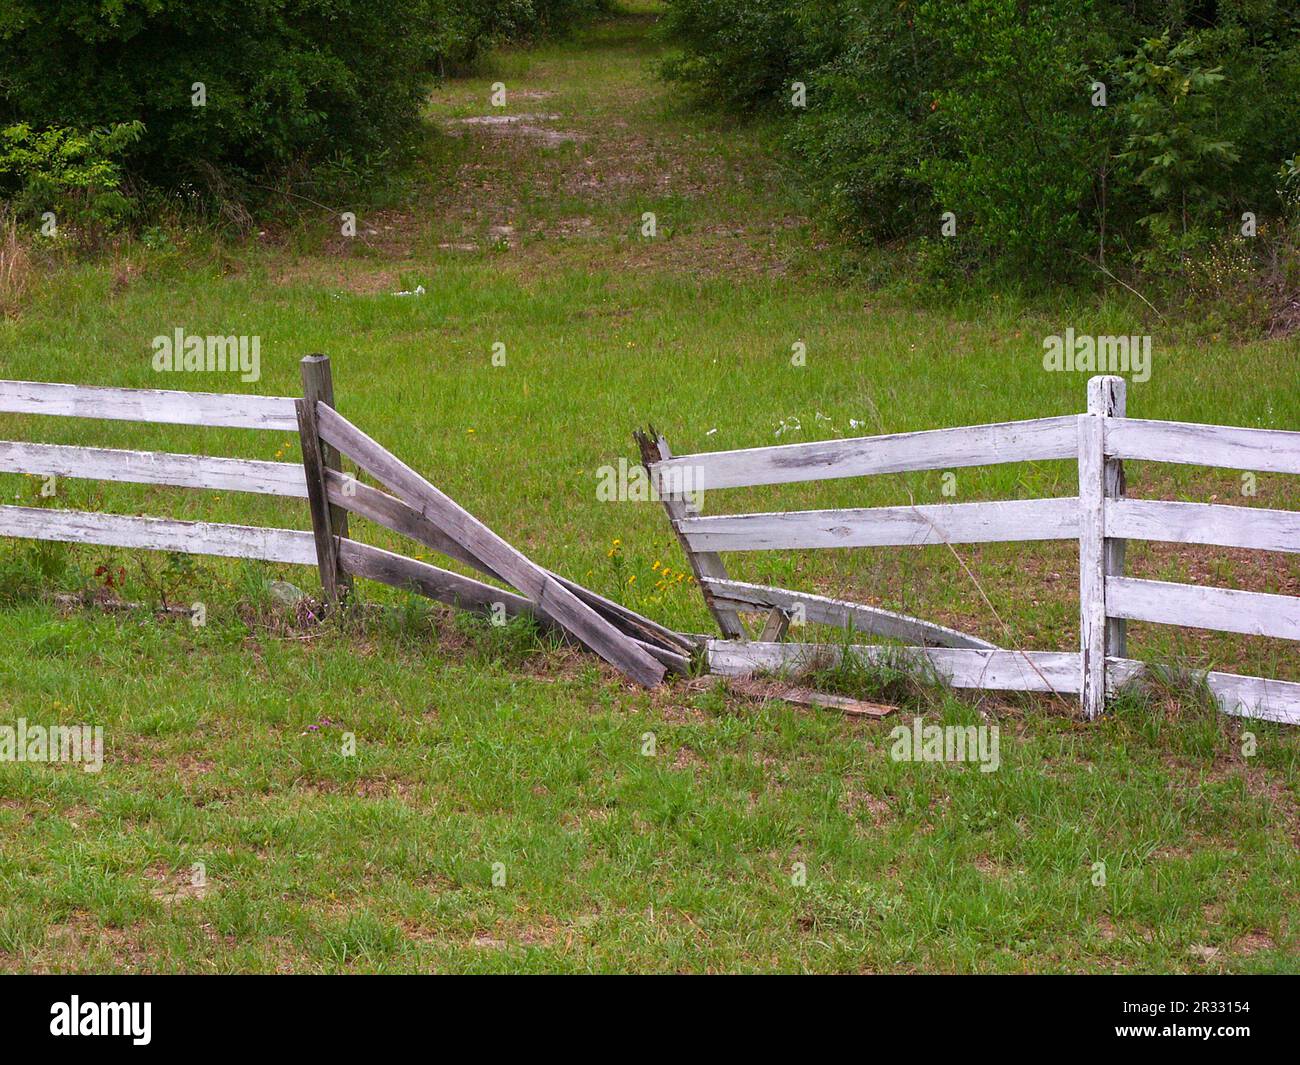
(1105, 396)
(654, 448)
(328, 522)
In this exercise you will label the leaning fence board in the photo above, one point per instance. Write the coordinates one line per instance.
(1233, 447)
(159, 534)
(954, 523)
(398, 571)
(822, 610)
(1224, 609)
(1204, 523)
(535, 582)
(1050, 671)
(149, 405)
(392, 513)
(154, 467)
(930, 449)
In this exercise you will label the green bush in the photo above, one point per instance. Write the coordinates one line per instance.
(231, 90)
(986, 108)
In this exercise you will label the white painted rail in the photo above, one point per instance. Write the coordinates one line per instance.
(158, 534)
(973, 445)
(149, 405)
(1232, 447)
(952, 523)
(154, 467)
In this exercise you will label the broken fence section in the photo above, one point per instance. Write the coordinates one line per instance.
(1100, 518)
(640, 647)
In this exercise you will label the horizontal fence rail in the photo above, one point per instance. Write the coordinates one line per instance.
(158, 534)
(1040, 671)
(1229, 446)
(1215, 524)
(154, 467)
(976, 445)
(149, 405)
(953, 523)
(1199, 607)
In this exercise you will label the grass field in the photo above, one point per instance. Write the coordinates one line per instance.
(478, 746)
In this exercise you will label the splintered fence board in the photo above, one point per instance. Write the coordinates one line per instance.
(1039, 439)
(393, 514)
(154, 467)
(1228, 446)
(501, 558)
(953, 523)
(159, 534)
(1198, 607)
(149, 405)
(822, 610)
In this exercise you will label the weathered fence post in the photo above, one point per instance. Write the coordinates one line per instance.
(1106, 397)
(328, 522)
(1096, 556)
(654, 449)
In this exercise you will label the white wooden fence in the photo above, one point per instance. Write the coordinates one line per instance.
(639, 647)
(1100, 517)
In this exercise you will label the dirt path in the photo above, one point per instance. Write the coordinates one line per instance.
(589, 144)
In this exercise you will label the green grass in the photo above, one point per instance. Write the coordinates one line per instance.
(475, 746)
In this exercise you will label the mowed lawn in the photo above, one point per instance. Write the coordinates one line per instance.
(499, 812)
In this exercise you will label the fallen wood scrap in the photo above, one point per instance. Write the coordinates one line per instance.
(775, 689)
(539, 586)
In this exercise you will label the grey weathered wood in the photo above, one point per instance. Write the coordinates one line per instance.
(154, 467)
(1107, 399)
(532, 580)
(775, 626)
(398, 571)
(857, 617)
(148, 405)
(1223, 609)
(1204, 523)
(760, 689)
(1092, 565)
(954, 523)
(392, 513)
(329, 523)
(158, 534)
(1233, 447)
(465, 593)
(654, 454)
(931, 449)
(1051, 671)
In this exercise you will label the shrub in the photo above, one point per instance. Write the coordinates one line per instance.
(228, 90)
(74, 174)
(986, 108)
